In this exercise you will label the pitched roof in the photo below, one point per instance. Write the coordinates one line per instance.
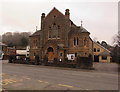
(78, 30)
(102, 47)
(37, 33)
(72, 23)
(105, 53)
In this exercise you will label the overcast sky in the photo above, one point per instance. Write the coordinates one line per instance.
(99, 18)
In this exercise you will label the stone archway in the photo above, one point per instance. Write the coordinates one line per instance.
(50, 52)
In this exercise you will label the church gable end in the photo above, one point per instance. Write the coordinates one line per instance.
(55, 26)
(54, 13)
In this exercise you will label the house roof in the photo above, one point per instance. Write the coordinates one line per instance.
(105, 53)
(102, 47)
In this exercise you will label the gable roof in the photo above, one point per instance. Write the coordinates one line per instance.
(102, 47)
(105, 53)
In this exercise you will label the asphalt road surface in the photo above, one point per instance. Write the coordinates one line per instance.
(37, 77)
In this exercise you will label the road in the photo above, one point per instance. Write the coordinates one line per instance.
(36, 77)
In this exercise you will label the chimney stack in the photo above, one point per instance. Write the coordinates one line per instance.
(67, 14)
(42, 18)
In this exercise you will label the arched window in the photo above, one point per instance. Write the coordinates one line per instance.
(74, 41)
(54, 30)
(85, 41)
(50, 32)
(58, 31)
(36, 43)
(77, 41)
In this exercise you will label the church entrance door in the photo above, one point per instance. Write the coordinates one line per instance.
(50, 54)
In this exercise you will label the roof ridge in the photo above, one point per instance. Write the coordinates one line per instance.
(102, 46)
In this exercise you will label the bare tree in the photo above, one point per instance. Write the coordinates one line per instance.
(116, 39)
(16, 38)
(116, 50)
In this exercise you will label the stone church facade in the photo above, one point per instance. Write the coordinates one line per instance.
(59, 36)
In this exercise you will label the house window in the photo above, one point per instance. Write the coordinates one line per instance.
(98, 50)
(104, 57)
(94, 49)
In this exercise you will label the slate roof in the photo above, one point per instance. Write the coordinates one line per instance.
(37, 33)
(78, 30)
(102, 47)
(105, 53)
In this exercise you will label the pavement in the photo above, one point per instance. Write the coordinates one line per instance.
(37, 77)
(106, 67)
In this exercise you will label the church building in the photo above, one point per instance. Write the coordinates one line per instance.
(59, 37)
